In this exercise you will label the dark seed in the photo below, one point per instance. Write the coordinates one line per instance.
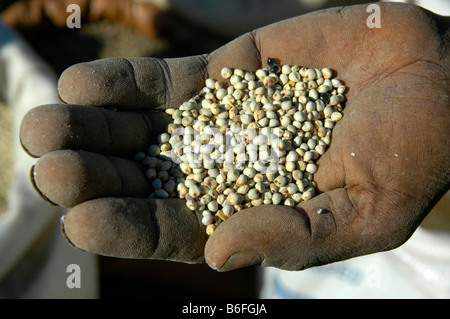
(271, 61)
(325, 97)
(275, 68)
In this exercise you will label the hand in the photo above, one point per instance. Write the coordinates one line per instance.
(387, 165)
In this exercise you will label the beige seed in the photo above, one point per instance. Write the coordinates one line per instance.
(210, 229)
(234, 199)
(191, 204)
(220, 214)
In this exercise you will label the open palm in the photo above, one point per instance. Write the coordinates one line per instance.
(387, 165)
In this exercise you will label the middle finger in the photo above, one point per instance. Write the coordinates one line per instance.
(49, 128)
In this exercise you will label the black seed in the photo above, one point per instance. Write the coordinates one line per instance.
(271, 61)
(275, 68)
(325, 97)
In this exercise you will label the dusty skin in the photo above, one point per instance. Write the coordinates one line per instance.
(387, 166)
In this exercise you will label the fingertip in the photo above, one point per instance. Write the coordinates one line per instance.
(237, 260)
(80, 227)
(58, 178)
(245, 238)
(104, 82)
(37, 133)
(33, 182)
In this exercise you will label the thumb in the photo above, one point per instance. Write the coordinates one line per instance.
(321, 230)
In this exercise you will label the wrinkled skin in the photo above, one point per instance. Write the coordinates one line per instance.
(396, 124)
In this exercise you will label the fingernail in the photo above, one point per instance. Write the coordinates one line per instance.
(26, 150)
(37, 189)
(242, 259)
(63, 231)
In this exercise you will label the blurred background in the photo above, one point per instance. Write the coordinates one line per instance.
(127, 28)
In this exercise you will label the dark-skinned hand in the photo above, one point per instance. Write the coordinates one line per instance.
(387, 165)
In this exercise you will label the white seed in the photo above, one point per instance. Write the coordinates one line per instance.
(195, 191)
(233, 175)
(257, 202)
(260, 187)
(213, 206)
(294, 76)
(205, 199)
(228, 210)
(226, 72)
(210, 229)
(277, 198)
(281, 181)
(210, 83)
(292, 188)
(313, 94)
(253, 194)
(249, 172)
(292, 156)
(307, 126)
(311, 168)
(210, 182)
(291, 166)
(234, 199)
(308, 194)
(242, 179)
(207, 219)
(334, 100)
(243, 189)
(323, 89)
(336, 116)
(297, 175)
(286, 69)
(182, 189)
(289, 202)
(259, 116)
(327, 73)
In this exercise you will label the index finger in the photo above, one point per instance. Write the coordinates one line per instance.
(132, 83)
